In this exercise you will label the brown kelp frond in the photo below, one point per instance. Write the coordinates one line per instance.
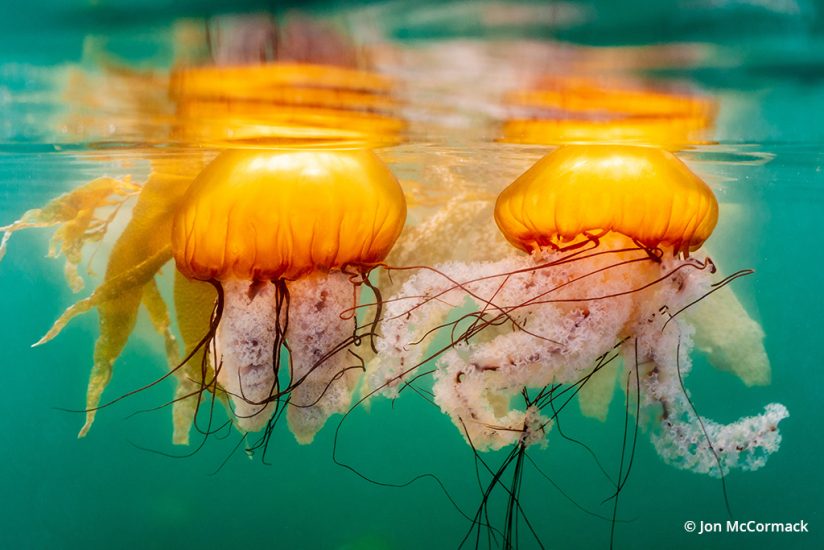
(194, 302)
(111, 290)
(187, 385)
(79, 220)
(161, 321)
(141, 250)
(117, 301)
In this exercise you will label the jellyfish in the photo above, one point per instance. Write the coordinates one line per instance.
(604, 270)
(287, 238)
(605, 283)
(128, 218)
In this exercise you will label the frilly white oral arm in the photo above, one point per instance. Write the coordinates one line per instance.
(245, 342)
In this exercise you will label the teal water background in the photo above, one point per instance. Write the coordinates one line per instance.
(107, 490)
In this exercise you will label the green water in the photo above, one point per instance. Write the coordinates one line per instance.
(119, 487)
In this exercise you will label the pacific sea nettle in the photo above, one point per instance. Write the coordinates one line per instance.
(287, 238)
(611, 275)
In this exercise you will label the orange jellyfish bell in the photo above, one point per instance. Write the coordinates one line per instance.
(310, 223)
(582, 192)
(262, 215)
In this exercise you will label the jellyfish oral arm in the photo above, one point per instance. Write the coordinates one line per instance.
(478, 400)
(661, 352)
(245, 342)
(320, 333)
(422, 302)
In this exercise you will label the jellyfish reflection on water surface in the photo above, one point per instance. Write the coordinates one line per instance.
(613, 274)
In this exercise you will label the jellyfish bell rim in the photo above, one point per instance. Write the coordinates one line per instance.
(265, 215)
(577, 191)
(351, 269)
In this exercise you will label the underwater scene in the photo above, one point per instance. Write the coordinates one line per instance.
(400, 275)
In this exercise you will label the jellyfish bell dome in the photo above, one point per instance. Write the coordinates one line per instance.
(265, 215)
(580, 191)
(310, 222)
